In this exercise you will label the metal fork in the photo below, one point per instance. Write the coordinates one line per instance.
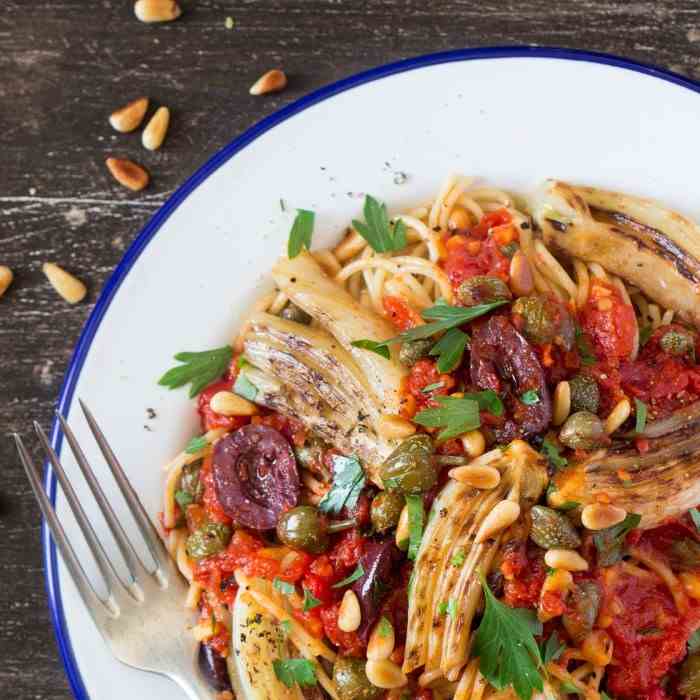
(141, 618)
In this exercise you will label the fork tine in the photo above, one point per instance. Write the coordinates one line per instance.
(134, 564)
(98, 608)
(148, 531)
(105, 565)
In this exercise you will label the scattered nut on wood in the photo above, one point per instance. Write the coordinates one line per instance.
(273, 81)
(68, 286)
(157, 10)
(130, 116)
(6, 278)
(154, 133)
(128, 173)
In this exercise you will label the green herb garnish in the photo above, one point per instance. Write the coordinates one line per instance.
(348, 482)
(300, 235)
(309, 601)
(183, 499)
(694, 642)
(551, 452)
(695, 516)
(377, 230)
(552, 649)
(640, 416)
(455, 416)
(284, 587)
(198, 369)
(291, 671)
(416, 515)
(644, 334)
(244, 387)
(381, 348)
(196, 444)
(359, 572)
(610, 541)
(506, 647)
(568, 505)
(450, 349)
(530, 398)
(458, 558)
(384, 627)
(431, 387)
(570, 689)
(583, 346)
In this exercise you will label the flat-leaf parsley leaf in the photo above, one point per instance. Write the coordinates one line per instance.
(197, 369)
(450, 349)
(300, 235)
(416, 517)
(348, 482)
(291, 671)
(454, 415)
(377, 230)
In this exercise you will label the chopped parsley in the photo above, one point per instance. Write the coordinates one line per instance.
(530, 398)
(283, 587)
(416, 516)
(244, 387)
(694, 642)
(454, 415)
(695, 516)
(196, 444)
(458, 558)
(381, 348)
(384, 627)
(610, 541)
(431, 387)
(640, 416)
(552, 649)
(348, 482)
(382, 235)
(197, 369)
(183, 499)
(300, 235)
(644, 334)
(358, 573)
(295, 671)
(450, 350)
(551, 452)
(583, 346)
(309, 601)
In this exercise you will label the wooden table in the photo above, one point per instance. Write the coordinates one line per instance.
(65, 65)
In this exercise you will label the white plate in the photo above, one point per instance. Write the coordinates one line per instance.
(512, 116)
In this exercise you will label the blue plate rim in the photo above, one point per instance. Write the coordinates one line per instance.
(147, 233)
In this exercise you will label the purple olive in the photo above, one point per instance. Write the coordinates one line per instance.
(379, 563)
(213, 667)
(255, 476)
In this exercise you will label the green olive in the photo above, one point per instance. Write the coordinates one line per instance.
(291, 312)
(190, 482)
(351, 680)
(582, 610)
(303, 528)
(481, 289)
(545, 321)
(685, 554)
(409, 468)
(677, 342)
(413, 350)
(386, 509)
(582, 431)
(689, 676)
(585, 394)
(552, 529)
(209, 539)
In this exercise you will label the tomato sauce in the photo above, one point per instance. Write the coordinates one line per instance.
(524, 571)
(400, 313)
(425, 374)
(209, 418)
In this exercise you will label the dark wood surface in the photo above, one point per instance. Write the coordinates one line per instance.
(66, 64)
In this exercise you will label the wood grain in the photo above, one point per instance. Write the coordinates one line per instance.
(65, 65)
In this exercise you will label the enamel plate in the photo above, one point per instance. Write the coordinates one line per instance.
(512, 116)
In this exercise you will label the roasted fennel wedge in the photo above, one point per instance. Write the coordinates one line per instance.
(647, 245)
(453, 553)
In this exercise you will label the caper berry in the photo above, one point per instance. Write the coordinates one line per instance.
(291, 312)
(351, 680)
(386, 509)
(552, 529)
(413, 350)
(582, 431)
(210, 538)
(409, 468)
(303, 528)
(582, 610)
(482, 289)
(585, 394)
(677, 341)
(544, 320)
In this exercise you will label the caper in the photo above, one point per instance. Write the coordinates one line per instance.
(481, 289)
(351, 681)
(386, 509)
(409, 468)
(582, 610)
(582, 431)
(544, 320)
(689, 676)
(684, 554)
(585, 394)
(552, 530)
(210, 538)
(677, 341)
(291, 312)
(413, 350)
(190, 482)
(303, 528)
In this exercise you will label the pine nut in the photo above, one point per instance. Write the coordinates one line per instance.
(459, 219)
(473, 443)
(273, 81)
(476, 475)
(503, 515)
(227, 403)
(349, 614)
(402, 531)
(598, 516)
(618, 416)
(127, 118)
(154, 133)
(691, 584)
(385, 674)
(157, 10)
(128, 173)
(394, 427)
(6, 277)
(566, 559)
(381, 641)
(561, 405)
(597, 648)
(522, 281)
(69, 287)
